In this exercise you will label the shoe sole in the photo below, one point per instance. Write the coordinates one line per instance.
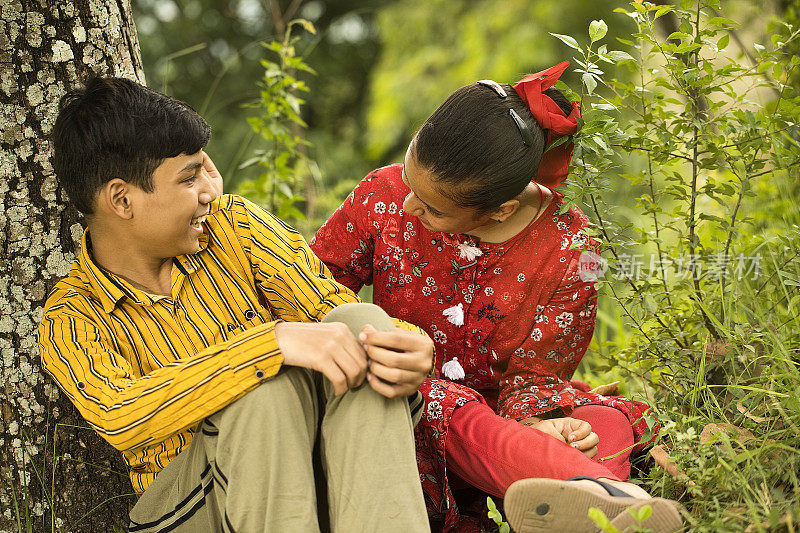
(549, 505)
(664, 517)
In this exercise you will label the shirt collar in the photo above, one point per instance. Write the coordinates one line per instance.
(105, 285)
(110, 289)
(189, 263)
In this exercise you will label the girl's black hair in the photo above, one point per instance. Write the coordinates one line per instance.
(117, 128)
(472, 144)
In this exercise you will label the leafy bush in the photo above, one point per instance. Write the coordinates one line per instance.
(705, 270)
(279, 125)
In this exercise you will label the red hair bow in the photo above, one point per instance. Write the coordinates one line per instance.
(554, 166)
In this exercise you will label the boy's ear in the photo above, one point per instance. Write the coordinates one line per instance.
(115, 198)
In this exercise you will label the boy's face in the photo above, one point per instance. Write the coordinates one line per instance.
(168, 221)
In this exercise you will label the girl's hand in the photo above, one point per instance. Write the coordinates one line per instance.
(545, 426)
(576, 433)
(213, 174)
(399, 360)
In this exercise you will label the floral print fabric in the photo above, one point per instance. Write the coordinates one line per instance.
(515, 316)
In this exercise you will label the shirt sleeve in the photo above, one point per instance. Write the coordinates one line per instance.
(538, 373)
(293, 280)
(130, 411)
(346, 241)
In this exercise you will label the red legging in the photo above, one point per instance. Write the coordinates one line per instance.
(491, 452)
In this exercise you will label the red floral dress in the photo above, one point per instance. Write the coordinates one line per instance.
(515, 315)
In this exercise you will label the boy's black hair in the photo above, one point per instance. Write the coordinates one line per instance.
(117, 128)
(472, 144)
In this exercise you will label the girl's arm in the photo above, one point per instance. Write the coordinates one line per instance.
(346, 241)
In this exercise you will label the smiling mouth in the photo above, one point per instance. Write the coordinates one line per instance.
(196, 223)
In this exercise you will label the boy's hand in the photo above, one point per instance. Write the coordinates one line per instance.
(213, 174)
(576, 433)
(329, 348)
(399, 360)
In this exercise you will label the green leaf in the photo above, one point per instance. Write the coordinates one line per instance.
(688, 47)
(308, 26)
(663, 10)
(559, 141)
(650, 304)
(723, 42)
(601, 520)
(589, 82)
(677, 36)
(763, 67)
(619, 55)
(493, 513)
(641, 514)
(721, 21)
(597, 30)
(566, 39)
(275, 46)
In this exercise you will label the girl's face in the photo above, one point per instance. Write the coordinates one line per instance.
(435, 211)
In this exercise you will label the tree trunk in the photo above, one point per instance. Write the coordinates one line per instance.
(55, 473)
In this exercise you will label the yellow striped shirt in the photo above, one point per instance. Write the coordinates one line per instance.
(144, 370)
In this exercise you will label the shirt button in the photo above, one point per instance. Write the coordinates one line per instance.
(260, 373)
(81, 385)
(249, 314)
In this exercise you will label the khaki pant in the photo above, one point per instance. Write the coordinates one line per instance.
(250, 466)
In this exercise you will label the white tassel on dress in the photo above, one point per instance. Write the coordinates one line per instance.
(455, 314)
(452, 370)
(469, 252)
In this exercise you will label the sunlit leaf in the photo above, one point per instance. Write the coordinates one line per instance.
(566, 39)
(663, 10)
(618, 55)
(597, 30)
(721, 21)
(589, 82)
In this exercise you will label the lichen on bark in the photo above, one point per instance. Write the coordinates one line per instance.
(47, 48)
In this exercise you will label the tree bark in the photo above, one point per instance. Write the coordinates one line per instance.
(55, 473)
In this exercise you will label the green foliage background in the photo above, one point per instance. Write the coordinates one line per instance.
(383, 66)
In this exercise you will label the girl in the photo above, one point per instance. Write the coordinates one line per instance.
(469, 240)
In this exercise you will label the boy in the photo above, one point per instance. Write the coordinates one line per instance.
(187, 334)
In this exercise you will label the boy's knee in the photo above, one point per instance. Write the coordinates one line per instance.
(356, 315)
(365, 404)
